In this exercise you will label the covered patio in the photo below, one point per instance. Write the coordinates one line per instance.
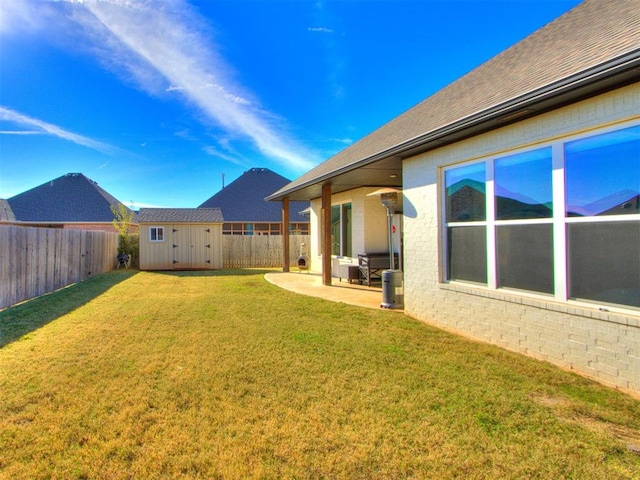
(339, 291)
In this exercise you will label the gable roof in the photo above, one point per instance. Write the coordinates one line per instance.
(180, 215)
(6, 214)
(70, 198)
(243, 200)
(590, 49)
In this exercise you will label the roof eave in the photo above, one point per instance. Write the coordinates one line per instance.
(619, 71)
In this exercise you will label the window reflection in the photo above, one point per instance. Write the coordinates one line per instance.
(601, 257)
(603, 174)
(523, 185)
(465, 192)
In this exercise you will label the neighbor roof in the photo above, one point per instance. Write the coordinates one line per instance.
(6, 214)
(180, 215)
(66, 199)
(243, 200)
(591, 48)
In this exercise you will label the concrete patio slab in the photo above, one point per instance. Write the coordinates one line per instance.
(340, 291)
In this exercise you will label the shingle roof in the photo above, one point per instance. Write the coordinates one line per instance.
(6, 214)
(180, 215)
(243, 200)
(588, 37)
(69, 198)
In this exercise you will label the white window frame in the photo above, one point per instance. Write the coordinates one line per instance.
(345, 233)
(559, 220)
(156, 229)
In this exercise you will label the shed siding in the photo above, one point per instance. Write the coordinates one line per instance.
(565, 334)
(190, 251)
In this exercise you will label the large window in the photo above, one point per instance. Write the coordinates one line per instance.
(341, 230)
(602, 199)
(561, 220)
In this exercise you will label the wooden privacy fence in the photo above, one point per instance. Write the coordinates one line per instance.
(259, 251)
(35, 261)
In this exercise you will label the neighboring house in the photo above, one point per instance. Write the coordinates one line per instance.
(180, 238)
(520, 186)
(71, 201)
(245, 210)
(6, 214)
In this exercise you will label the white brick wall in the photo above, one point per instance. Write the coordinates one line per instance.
(603, 345)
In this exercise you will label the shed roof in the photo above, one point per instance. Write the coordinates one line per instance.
(70, 198)
(592, 48)
(243, 200)
(180, 215)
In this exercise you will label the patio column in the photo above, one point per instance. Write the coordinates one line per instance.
(326, 234)
(285, 234)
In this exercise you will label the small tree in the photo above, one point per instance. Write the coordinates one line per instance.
(123, 219)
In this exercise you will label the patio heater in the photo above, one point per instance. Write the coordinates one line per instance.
(392, 287)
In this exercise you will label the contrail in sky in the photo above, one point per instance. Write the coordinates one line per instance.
(166, 48)
(39, 127)
(153, 40)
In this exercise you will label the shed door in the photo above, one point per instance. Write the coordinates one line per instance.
(191, 246)
(200, 246)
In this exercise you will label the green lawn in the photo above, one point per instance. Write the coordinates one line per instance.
(223, 375)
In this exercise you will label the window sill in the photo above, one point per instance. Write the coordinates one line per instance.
(604, 313)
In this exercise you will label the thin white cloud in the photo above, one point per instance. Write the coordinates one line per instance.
(41, 127)
(320, 29)
(173, 41)
(138, 205)
(214, 152)
(221, 90)
(20, 132)
(335, 60)
(18, 15)
(165, 47)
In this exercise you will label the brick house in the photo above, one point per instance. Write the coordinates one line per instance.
(520, 186)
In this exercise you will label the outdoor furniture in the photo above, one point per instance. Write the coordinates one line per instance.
(123, 260)
(350, 272)
(372, 264)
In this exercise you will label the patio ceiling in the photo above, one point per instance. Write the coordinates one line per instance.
(381, 173)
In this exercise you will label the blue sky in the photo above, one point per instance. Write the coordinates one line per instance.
(156, 99)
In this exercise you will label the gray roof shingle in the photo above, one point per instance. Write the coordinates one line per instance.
(243, 200)
(70, 198)
(590, 35)
(180, 215)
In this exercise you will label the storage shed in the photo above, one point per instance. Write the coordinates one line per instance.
(180, 238)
